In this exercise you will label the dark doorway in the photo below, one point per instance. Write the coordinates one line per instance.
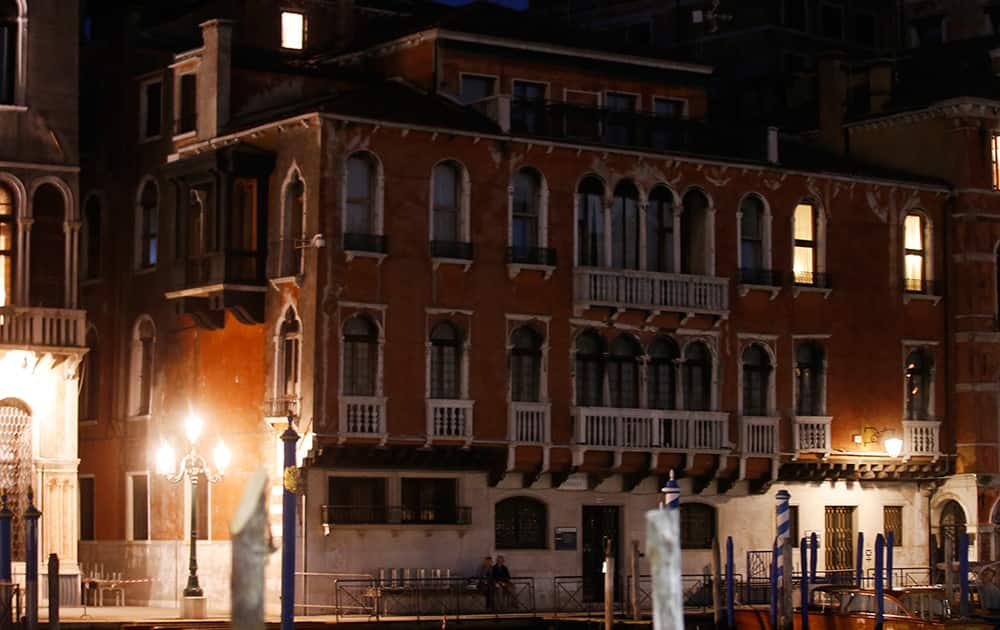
(599, 522)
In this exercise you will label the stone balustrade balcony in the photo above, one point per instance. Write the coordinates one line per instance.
(921, 438)
(812, 435)
(43, 328)
(362, 417)
(650, 291)
(449, 419)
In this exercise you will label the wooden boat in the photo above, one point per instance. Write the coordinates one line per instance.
(852, 608)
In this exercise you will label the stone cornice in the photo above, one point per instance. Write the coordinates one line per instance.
(951, 108)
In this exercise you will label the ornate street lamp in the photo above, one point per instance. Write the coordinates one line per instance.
(193, 465)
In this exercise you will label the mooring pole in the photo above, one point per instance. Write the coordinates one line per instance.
(890, 541)
(53, 592)
(813, 550)
(804, 582)
(730, 584)
(248, 530)
(609, 584)
(663, 547)
(31, 516)
(289, 437)
(859, 563)
(774, 586)
(879, 582)
(6, 517)
(963, 573)
(716, 584)
(634, 582)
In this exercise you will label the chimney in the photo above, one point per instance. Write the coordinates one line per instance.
(832, 100)
(772, 145)
(214, 77)
(879, 85)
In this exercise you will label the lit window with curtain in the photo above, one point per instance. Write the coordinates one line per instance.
(808, 379)
(919, 364)
(446, 362)
(8, 231)
(623, 372)
(360, 357)
(995, 158)
(447, 200)
(293, 30)
(590, 223)
(697, 380)
(662, 374)
(660, 230)
(525, 365)
(290, 338)
(914, 254)
(525, 210)
(625, 227)
(756, 381)
(752, 240)
(589, 364)
(804, 261)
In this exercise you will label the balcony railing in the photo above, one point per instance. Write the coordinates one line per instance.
(759, 436)
(234, 266)
(921, 438)
(52, 327)
(761, 277)
(362, 416)
(652, 429)
(281, 407)
(532, 256)
(449, 418)
(814, 279)
(528, 422)
(459, 250)
(395, 515)
(372, 243)
(922, 285)
(649, 290)
(812, 434)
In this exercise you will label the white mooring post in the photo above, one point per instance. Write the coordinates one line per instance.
(663, 546)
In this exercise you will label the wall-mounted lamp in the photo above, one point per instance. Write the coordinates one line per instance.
(870, 435)
(317, 241)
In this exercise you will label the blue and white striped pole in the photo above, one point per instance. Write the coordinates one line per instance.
(671, 494)
(782, 513)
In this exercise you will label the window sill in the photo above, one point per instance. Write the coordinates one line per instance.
(13, 108)
(139, 418)
(921, 297)
(281, 281)
(87, 423)
(465, 263)
(142, 271)
(799, 288)
(743, 289)
(513, 269)
(149, 139)
(89, 282)
(187, 135)
(351, 254)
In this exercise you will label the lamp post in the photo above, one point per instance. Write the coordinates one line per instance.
(193, 466)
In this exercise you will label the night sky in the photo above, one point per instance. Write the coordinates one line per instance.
(514, 4)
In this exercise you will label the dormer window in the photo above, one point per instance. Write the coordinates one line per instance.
(293, 30)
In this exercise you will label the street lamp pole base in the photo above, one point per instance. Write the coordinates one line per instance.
(194, 607)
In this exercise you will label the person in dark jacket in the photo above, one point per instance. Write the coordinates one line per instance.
(485, 584)
(501, 578)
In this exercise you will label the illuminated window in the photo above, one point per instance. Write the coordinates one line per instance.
(914, 257)
(805, 244)
(7, 227)
(293, 30)
(995, 154)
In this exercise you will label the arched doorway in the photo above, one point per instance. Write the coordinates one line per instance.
(952, 527)
(15, 464)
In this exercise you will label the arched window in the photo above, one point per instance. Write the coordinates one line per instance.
(446, 362)
(359, 214)
(141, 382)
(360, 357)
(663, 374)
(660, 230)
(8, 238)
(525, 365)
(148, 226)
(16, 469)
(952, 527)
(294, 209)
(919, 365)
(447, 212)
(915, 253)
(90, 377)
(590, 223)
(751, 238)
(589, 370)
(48, 248)
(697, 377)
(289, 352)
(697, 526)
(756, 381)
(526, 210)
(623, 372)
(9, 34)
(91, 237)
(520, 523)
(695, 233)
(625, 227)
(805, 259)
(809, 379)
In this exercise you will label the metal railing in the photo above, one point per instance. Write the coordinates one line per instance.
(459, 250)
(650, 290)
(922, 285)
(532, 255)
(282, 406)
(815, 279)
(56, 327)
(235, 266)
(569, 595)
(374, 243)
(761, 277)
(395, 515)
(905, 576)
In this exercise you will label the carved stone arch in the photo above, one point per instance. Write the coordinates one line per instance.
(591, 175)
(70, 212)
(16, 403)
(765, 346)
(701, 189)
(16, 469)
(16, 187)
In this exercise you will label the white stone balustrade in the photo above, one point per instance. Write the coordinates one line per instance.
(362, 416)
(449, 419)
(649, 290)
(812, 434)
(759, 436)
(921, 438)
(652, 429)
(48, 327)
(528, 422)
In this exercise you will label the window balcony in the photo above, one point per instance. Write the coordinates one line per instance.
(649, 430)
(528, 422)
(812, 279)
(281, 407)
(206, 285)
(449, 419)
(922, 289)
(50, 328)
(541, 259)
(456, 252)
(232, 267)
(395, 515)
(761, 277)
(812, 435)
(650, 291)
(366, 245)
(921, 438)
(759, 436)
(362, 417)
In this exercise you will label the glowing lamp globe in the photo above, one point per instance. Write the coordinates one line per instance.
(222, 457)
(164, 459)
(893, 446)
(192, 428)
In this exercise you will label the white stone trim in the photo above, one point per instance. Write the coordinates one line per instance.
(130, 507)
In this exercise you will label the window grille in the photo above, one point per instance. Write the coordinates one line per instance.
(892, 521)
(15, 467)
(839, 538)
(520, 523)
(697, 526)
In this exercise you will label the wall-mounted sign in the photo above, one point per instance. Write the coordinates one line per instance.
(565, 539)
